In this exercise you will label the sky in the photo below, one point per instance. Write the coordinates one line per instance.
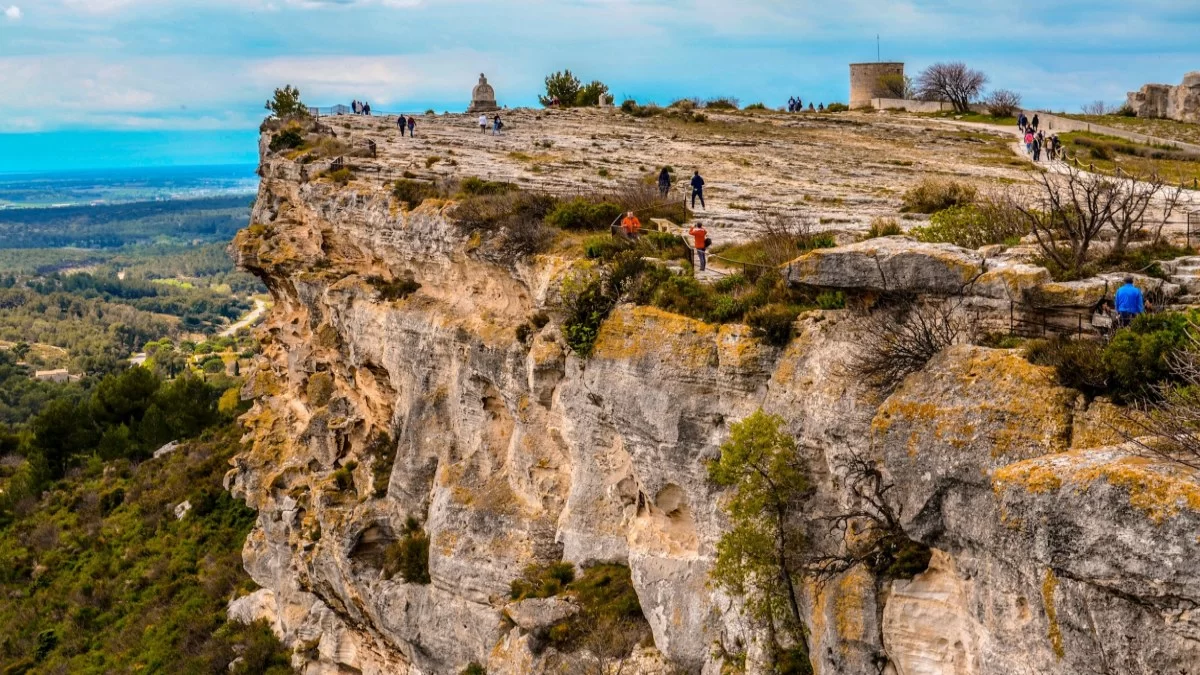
(95, 83)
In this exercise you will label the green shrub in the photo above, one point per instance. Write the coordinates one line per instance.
(382, 448)
(756, 106)
(836, 107)
(413, 192)
(884, 227)
(474, 669)
(409, 555)
(832, 300)
(394, 289)
(474, 186)
(775, 324)
(1129, 367)
(582, 214)
(341, 176)
(604, 246)
(542, 581)
(933, 195)
(319, 389)
(288, 139)
(722, 103)
(974, 226)
(344, 476)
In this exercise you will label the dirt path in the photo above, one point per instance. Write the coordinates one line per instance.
(248, 320)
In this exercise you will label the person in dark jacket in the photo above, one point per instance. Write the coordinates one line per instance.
(698, 190)
(402, 122)
(1035, 122)
(664, 182)
(412, 125)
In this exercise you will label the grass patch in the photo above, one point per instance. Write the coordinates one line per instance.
(974, 225)
(974, 118)
(1109, 153)
(340, 177)
(932, 195)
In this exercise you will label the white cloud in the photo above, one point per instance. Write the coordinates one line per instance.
(13, 13)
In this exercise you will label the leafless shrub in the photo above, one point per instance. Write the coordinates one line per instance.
(869, 532)
(1003, 103)
(785, 236)
(953, 82)
(898, 341)
(1096, 108)
(1072, 208)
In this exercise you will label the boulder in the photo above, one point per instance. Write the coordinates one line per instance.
(537, 614)
(890, 264)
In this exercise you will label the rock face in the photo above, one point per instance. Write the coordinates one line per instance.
(371, 409)
(1180, 103)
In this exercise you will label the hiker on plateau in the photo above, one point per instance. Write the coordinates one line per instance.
(664, 182)
(698, 190)
(700, 236)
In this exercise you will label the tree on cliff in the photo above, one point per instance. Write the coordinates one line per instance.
(287, 103)
(953, 82)
(762, 557)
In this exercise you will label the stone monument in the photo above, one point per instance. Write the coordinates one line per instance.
(483, 97)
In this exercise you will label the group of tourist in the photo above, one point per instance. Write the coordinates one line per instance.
(496, 123)
(410, 123)
(796, 105)
(1036, 141)
(360, 107)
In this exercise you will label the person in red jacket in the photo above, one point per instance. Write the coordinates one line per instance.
(701, 238)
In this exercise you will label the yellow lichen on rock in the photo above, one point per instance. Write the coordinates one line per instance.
(633, 333)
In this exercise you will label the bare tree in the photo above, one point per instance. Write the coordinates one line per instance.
(896, 85)
(900, 340)
(869, 533)
(1138, 198)
(1003, 103)
(1095, 108)
(1073, 207)
(1070, 211)
(953, 82)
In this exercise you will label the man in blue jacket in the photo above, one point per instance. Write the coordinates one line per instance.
(697, 189)
(1129, 302)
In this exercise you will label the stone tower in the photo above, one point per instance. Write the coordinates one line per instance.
(483, 97)
(864, 81)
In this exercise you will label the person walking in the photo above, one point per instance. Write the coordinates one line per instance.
(664, 182)
(1028, 141)
(401, 122)
(1056, 146)
(412, 126)
(354, 106)
(366, 108)
(791, 104)
(1035, 122)
(700, 237)
(1021, 119)
(1129, 302)
(483, 123)
(698, 190)
(1037, 149)
(497, 125)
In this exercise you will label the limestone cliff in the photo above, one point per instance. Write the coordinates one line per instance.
(1050, 556)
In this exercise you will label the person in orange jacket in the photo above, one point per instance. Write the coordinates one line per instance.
(701, 238)
(631, 225)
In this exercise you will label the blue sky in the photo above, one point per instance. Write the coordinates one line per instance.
(86, 83)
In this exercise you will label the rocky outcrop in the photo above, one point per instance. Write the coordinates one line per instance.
(1180, 103)
(372, 408)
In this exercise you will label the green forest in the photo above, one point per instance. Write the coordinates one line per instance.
(113, 560)
(117, 225)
